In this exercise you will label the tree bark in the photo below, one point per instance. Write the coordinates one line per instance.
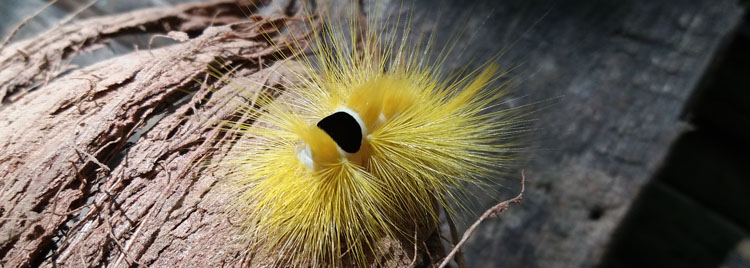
(105, 165)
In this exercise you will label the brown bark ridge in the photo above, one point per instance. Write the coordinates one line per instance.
(32, 63)
(106, 165)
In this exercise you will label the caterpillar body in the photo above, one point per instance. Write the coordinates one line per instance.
(364, 146)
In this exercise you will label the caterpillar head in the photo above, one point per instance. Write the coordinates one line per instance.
(335, 138)
(344, 134)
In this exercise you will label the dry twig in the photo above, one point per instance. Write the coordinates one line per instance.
(414, 259)
(490, 213)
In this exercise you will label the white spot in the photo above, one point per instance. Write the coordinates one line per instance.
(305, 156)
(381, 119)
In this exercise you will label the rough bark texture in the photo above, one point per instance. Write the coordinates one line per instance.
(100, 166)
(32, 63)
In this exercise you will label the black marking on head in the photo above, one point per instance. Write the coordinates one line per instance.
(344, 130)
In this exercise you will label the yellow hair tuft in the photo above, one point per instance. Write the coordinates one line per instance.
(370, 140)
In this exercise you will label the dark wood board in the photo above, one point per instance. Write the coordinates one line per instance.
(623, 72)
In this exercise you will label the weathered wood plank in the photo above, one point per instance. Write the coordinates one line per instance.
(704, 180)
(674, 231)
(624, 70)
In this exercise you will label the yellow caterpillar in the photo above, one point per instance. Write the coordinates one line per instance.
(364, 146)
